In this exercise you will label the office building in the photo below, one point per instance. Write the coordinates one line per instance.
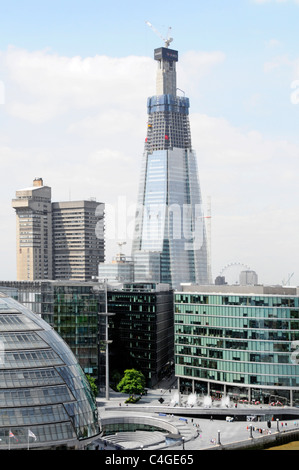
(141, 330)
(45, 399)
(240, 341)
(57, 240)
(169, 217)
(121, 269)
(248, 278)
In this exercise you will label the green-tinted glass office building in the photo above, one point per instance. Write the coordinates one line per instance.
(71, 308)
(238, 341)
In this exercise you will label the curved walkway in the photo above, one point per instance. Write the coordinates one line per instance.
(199, 433)
(166, 425)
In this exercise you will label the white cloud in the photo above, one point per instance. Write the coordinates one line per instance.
(48, 85)
(273, 43)
(278, 62)
(194, 65)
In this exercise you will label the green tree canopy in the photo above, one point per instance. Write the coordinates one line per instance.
(92, 383)
(132, 382)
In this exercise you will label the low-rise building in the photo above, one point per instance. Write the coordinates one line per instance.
(240, 341)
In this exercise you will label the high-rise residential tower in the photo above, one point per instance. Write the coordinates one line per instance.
(169, 218)
(57, 240)
(34, 232)
(78, 239)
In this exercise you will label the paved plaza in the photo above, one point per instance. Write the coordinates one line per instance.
(198, 433)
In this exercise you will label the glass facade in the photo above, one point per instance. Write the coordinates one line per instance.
(70, 307)
(45, 398)
(147, 266)
(121, 269)
(141, 331)
(76, 310)
(244, 340)
(169, 217)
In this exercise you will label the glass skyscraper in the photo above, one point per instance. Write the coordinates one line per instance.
(169, 219)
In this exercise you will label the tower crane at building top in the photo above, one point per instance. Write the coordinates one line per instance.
(120, 256)
(166, 41)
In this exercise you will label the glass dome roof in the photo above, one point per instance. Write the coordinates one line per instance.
(45, 398)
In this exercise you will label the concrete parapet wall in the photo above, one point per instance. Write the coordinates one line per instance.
(260, 443)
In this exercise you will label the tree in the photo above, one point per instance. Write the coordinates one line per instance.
(132, 382)
(92, 383)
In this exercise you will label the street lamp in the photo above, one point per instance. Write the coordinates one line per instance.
(106, 314)
(107, 342)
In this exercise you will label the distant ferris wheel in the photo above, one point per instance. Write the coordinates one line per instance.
(232, 271)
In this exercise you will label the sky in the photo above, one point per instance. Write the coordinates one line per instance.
(74, 81)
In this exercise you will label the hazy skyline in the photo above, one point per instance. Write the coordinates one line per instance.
(75, 78)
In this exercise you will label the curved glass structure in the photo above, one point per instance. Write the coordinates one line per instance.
(45, 398)
(239, 344)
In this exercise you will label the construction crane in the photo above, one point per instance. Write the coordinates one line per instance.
(120, 244)
(287, 283)
(166, 41)
(120, 257)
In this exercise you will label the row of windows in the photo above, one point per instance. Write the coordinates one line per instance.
(231, 322)
(16, 322)
(29, 377)
(44, 434)
(34, 358)
(37, 395)
(269, 301)
(32, 415)
(233, 355)
(216, 343)
(234, 311)
(240, 367)
(21, 340)
(241, 333)
(237, 378)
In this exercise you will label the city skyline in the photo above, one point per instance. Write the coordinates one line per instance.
(75, 78)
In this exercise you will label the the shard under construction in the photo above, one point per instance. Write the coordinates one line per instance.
(170, 242)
